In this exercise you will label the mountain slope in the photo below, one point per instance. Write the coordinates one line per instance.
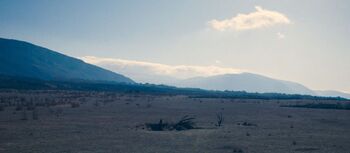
(23, 59)
(245, 82)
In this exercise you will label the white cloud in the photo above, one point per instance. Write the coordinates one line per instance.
(146, 71)
(280, 35)
(218, 62)
(258, 19)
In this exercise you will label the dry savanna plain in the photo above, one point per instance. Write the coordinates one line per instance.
(112, 122)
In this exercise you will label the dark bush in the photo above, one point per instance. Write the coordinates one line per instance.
(247, 124)
(24, 114)
(237, 151)
(19, 107)
(31, 107)
(160, 126)
(185, 123)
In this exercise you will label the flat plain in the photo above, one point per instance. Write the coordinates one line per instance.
(109, 122)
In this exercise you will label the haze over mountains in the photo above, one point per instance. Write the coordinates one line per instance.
(245, 82)
(22, 59)
(253, 83)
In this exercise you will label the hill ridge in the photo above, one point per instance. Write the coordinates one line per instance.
(21, 58)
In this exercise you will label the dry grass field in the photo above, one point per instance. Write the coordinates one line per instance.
(102, 122)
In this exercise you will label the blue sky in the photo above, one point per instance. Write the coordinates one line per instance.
(311, 48)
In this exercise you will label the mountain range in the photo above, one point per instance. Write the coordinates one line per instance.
(26, 60)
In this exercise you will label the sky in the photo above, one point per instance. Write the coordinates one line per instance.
(301, 41)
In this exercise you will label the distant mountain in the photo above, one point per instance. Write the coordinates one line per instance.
(245, 82)
(22, 59)
(332, 93)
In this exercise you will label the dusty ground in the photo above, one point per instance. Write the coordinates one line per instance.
(112, 122)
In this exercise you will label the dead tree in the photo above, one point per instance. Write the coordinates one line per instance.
(220, 119)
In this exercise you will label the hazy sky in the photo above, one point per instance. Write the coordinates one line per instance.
(301, 41)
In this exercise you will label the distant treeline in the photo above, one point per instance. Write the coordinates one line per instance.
(265, 96)
(344, 106)
(22, 83)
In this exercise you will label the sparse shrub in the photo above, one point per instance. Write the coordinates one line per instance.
(2, 108)
(24, 114)
(247, 124)
(40, 104)
(219, 119)
(82, 99)
(247, 134)
(58, 112)
(106, 101)
(74, 105)
(149, 105)
(237, 151)
(31, 107)
(35, 114)
(294, 143)
(97, 103)
(19, 108)
(51, 111)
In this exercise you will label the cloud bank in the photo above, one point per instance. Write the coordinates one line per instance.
(146, 71)
(254, 20)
